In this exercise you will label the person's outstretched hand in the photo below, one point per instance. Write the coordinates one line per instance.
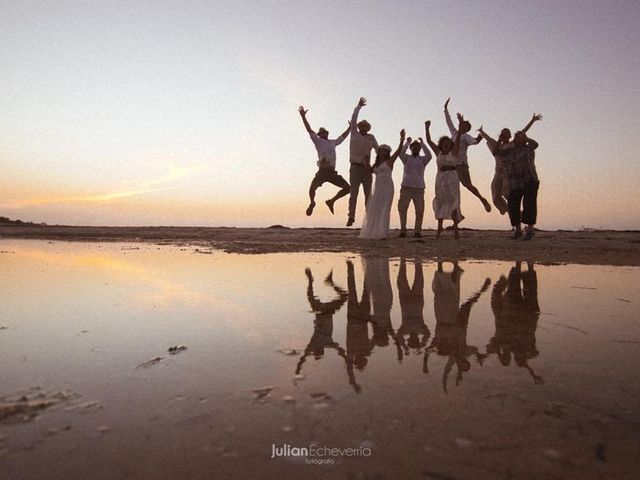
(427, 124)
(446, 104)
(302, 111)
(362, 102)
(536, 117)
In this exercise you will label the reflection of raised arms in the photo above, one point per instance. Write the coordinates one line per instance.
(395, 154)
(536, 117)
(465, 308)
(447, 370)
(303, 114)
(352, 377)
(427, 134)
(354, 118)
(447, 117)
(309, 350)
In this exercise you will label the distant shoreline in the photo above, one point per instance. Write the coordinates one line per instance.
(604, 247)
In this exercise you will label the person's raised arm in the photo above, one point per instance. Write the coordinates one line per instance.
(427, 154)
(456, 144)
(344, 135)
(427, 133)
(354, 118)
(403, 150)
(491, 143)
(534, 119)
(303, 114)
(447, 117)
(397, 152)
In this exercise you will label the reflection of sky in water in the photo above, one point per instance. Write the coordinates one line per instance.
(84, 315)
(134, 300)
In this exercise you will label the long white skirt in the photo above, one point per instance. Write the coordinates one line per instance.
(376, 220)
(447, 197)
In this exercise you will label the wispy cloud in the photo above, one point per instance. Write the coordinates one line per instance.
(153, 185)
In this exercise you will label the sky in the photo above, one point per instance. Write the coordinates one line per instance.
(185, 113)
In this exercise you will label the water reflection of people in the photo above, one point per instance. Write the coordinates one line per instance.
(379, 284)
(514, 302)
(450, 337)
(359, 345)
(322, 337)
(411, 307)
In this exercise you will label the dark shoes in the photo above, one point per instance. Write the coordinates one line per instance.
(330, 205)
(417, 235)
(350, 221)
(310, 208)
(528, 234)
(403, 234)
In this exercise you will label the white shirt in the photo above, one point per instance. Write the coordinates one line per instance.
(360, 145)
(413, 175)
(326, 148)
(465, 141)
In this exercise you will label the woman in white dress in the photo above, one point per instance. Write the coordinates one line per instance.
(446, 204)
(376, 221)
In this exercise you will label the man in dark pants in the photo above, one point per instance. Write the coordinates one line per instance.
(360, 171)
(326, 149)
(523, 183)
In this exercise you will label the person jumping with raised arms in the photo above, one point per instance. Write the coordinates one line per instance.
(326, 149)
(500, 185)
(412, 189)
(361, 144)
(465, 141)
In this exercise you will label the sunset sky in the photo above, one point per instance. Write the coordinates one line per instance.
(184, 113)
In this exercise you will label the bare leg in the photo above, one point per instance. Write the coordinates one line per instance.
(344, 190)
(456, 233)
(312, 198)
(315, 183)
(465, 179)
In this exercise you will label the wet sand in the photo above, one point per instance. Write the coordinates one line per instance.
(548, 247)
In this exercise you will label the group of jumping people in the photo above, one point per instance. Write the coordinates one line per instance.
(514, 187)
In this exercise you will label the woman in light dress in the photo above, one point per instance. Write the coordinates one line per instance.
(376, 221)
(446, 204)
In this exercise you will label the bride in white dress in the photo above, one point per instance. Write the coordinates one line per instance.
(376, 221)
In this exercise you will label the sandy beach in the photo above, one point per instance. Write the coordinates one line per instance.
(548, 247)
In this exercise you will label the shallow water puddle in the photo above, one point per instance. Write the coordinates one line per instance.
(208, 366)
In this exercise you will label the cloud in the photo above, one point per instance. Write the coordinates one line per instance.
(153, 185)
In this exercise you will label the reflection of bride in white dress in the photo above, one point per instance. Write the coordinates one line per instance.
(376, 220)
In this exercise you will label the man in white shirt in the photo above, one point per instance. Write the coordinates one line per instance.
(463, 169)
(362, 142)
(412, 188)
(326, 149)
